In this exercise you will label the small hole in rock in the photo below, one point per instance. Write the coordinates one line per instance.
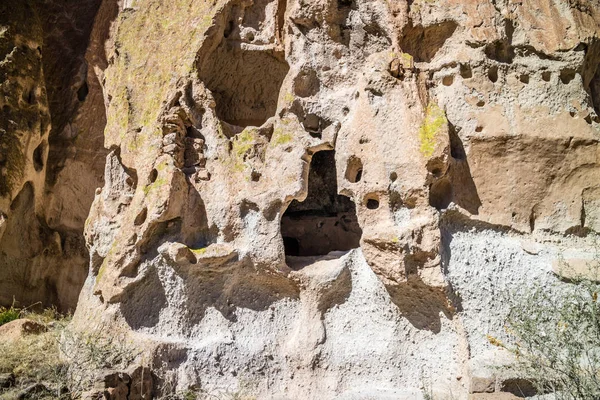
(480, 103)
(192, 258)
(358, 175)
(251, 37)
(493, 74)
(312, 123)
(524, 79)
(440, 194)
(354, 169)
(345, 110)
(255, 176)
(83, 92)
(465, 71)
(306, 83)
(567, 75)
(153, 176)
(372, 204)
(478, 128)
(393, 177)
(448, 80)
(38, 157)
(546, 75)
(572, 113)
(29, 96)
(229, 29)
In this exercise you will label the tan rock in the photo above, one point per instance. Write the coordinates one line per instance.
(18, 328)
(577, 264)
(285, 182)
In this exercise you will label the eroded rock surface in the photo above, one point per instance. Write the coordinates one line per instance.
(52, 155)
(306, 198)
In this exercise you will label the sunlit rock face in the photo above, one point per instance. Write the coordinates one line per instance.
(306, 198)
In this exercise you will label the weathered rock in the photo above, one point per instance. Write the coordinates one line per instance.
(51, 153)
(18, 328)
(575, 264)
(254, 158)
(306, 198)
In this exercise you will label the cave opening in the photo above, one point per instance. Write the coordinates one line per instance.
(245, 81)
(325, 221)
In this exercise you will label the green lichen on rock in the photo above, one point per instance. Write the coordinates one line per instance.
(161, 180)
(432, 126)
(200, 251)
(157, 43)
(101, 272)
(242, 144)
(408, 61)
(282, 134)
(281, 137)
(289, 98)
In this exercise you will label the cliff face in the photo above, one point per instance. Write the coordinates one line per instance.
(51, 157)
(303, 198)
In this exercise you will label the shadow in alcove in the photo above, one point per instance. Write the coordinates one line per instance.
(423, 42)
(242, 286)
(245, 81)
(420, 303)
(142, 307)
(463, 189)
(325, 221)
(591, 77)
(236, 285)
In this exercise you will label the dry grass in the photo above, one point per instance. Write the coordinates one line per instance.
(34, 359)
(63, 364)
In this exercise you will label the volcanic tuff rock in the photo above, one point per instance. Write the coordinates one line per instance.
(302, 198)
(51, 155)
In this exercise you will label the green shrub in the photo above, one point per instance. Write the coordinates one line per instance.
(556, 332)
(9, 314)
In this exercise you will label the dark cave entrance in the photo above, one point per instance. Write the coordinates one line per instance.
(325, 221)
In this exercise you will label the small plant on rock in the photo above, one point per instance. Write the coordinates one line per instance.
(556, 334)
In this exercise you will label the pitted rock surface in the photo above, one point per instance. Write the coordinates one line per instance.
(300, 199)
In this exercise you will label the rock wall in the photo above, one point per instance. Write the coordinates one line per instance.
(314, 198)
(52, 156)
